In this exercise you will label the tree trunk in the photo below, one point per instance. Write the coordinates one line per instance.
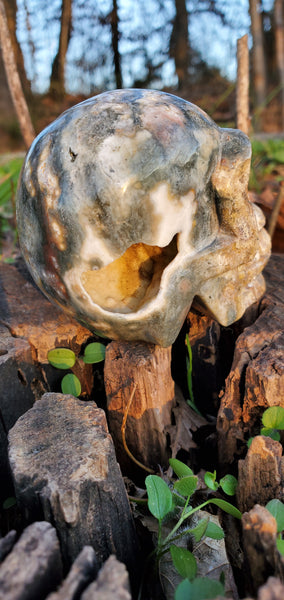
(115, 41)
(14, 82)
(279, 48)
(243, 85)
(57, 80)
(11, 15)
(258, 56)
(179, 43)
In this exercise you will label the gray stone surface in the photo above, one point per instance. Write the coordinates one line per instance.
(112, 583)
(82, 572)
(34, 567)
(141, 205)
(64, 467)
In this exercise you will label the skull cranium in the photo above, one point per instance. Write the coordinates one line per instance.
(133, 204)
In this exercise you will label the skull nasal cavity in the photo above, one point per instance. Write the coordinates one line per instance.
(130, 281)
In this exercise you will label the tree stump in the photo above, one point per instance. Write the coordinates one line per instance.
(30, 326)
(261, 474)
(261, 557)
(64, 468)
(138, 380)
(256, 379)
(81, 574)
(33, 568)
(112, 583)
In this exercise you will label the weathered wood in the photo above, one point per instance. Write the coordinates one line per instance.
(261, 474)
(81, 574)
(112, 583)
(30, 326)
(148, 367)
(256, 379)
(64, 467)
(7, 543)
(34, 566)
(273, 589)
(261, 557)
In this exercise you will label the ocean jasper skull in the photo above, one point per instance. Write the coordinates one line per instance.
(131, 206)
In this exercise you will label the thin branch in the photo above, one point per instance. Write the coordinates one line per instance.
(123, 427)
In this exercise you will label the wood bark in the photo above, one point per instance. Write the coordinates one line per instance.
(11, 14)
(261, 557)
(148, 367)
(243, 85)
(256, 379)
(57, 80)
(34, 566)
(261, 474)
(179, 43)
(279, 48)
(112, 582)
(64, 468)
(81, 574)
(258, 56)
(14, 82)
(114, 21)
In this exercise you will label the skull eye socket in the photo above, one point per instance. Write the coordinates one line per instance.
(132, 280)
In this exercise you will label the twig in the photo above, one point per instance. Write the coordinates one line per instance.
(123, 427)
(275, 212)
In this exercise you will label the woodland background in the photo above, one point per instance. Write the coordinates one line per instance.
(70, 49)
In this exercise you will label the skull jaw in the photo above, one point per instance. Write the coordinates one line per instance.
(225, 276)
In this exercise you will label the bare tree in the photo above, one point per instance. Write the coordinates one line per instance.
(179, 42)
(279, 47)
(57, 79)
(13, 78)
(11, 15)
(258, 54)
(114, 21)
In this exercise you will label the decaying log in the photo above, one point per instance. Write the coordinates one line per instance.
(261, 557)
(34, 566)
(7, 543)
(112, 583)
(30, 326)
(144, 369)
(273, 589)
(256, 380)
(81, 574)
(64, 467)
(261, 474)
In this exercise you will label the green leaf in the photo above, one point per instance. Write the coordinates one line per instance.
(280, 545)
(187, 485)
(202, 588)
(210, 480)
(249, 442)
(272, 433)
(229, 484)
(160, 501)
(70, 384)
(9, 502)
(276, 509)
(199, 531)
(184, 562)
(94, 353)
(61, 358)
(179, 468)
(273, 417)
(227, 507)
(214, 532)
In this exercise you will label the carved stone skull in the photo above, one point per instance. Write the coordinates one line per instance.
(133, 204)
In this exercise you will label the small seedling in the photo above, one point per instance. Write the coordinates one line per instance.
(64, 358)
(191, 400)
(276, 509)
(164, 501)
(228, 483)
(273, 422)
